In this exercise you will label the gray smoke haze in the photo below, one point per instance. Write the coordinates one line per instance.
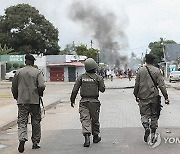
(104, 28)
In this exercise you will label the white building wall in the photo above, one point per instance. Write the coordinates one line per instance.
(47, 74)
(79, 71)
(66, 79)
(41, 63)
(55, 59)
(70, 58)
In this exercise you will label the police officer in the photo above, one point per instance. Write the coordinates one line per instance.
(90, 84)
(27, 86)
(146, 93)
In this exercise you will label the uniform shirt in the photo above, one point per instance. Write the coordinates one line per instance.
(26, 83)
(144, 86)
(89, 84)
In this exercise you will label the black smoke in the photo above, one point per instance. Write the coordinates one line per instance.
(104, 26)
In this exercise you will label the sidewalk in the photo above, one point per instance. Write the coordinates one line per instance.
(54, 94)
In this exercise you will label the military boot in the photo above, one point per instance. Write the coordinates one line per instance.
(153, 135)
(87, 140)
(21, 146)
(96, 139)
(36, 146)
(147, 130)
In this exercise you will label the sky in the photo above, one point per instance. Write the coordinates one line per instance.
(132, 24)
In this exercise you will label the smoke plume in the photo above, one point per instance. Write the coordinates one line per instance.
(104, 26)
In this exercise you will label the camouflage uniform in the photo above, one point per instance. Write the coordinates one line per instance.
(89, 107)
(25, 88)
(146, 91)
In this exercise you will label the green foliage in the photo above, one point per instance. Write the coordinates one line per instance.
(157, 48)
(90, 53)
(8, 66)
(81, 49)
(5, 50)
(15, 65)
(25, 30)
(21, 65)
(68, 50)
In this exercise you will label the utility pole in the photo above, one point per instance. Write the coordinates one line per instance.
(166, 66)
(91, 43)
(73, 45)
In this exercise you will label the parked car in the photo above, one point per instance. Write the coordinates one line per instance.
(9, 76)
(174, 76)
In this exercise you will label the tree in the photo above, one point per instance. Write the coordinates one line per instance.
(81, 49)
(5, 50)
(25, 30)
(15, 65)
(90, 53)
(8, 66)
(68, 50)
(157, 48)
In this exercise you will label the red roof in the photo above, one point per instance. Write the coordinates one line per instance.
(78, 64)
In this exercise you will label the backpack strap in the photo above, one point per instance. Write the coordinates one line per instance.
(155, 84)
(92, 78)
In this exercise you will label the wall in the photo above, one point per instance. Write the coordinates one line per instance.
(47, 75)
(79, 71)
(13, 58)
(41, 63)
(70, 58)
(55, 59)
(66, 74)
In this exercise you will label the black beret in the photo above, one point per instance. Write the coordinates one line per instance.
(149, 57)
(30, 57)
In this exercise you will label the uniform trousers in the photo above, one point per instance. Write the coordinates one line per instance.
(149, 111)
(89, 117)
(23, 113)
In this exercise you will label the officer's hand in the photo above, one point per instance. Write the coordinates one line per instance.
(72, 104)
(167, 101)
(137, 99)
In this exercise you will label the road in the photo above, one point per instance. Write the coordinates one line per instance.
(121, 129)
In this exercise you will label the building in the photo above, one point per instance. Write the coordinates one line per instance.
(171, 58)
(61, 67)
(64, 68)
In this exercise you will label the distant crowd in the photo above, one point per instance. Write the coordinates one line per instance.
(110, 73)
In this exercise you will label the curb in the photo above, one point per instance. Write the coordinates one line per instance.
(12, 123)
